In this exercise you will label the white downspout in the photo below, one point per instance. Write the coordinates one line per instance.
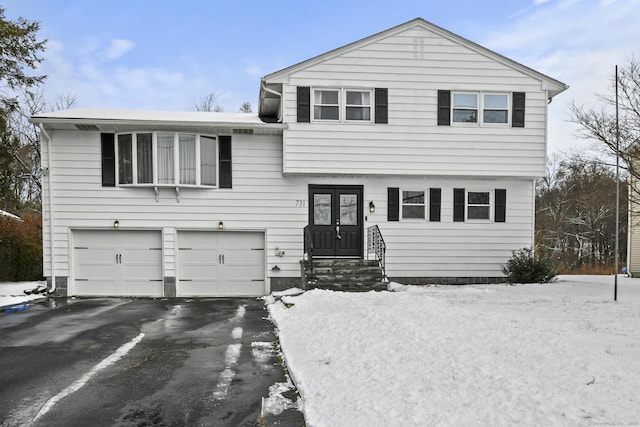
(51, 225)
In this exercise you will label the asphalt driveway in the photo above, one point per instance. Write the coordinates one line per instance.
(140, 362)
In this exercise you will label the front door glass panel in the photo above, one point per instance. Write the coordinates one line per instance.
(348, 209)
(322, 209)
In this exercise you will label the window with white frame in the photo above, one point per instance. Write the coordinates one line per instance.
(358, 105)
(413, 206)
(479, 205)
(467, 105)
(350, 105)
(326, 104)
(167, 158)
(495, 108)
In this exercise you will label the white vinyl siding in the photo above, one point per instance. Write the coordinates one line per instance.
(263, 200)
(413, 65)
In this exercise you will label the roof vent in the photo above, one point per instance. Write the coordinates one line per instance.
(87, 127)
(243, 131)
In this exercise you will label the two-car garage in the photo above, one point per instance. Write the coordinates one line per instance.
(130, 263)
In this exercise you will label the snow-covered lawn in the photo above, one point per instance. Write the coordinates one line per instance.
(13, 293)
(560, 354)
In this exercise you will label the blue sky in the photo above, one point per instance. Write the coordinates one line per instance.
(155, 54)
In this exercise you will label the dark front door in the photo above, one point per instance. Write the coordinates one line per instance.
(335, 220)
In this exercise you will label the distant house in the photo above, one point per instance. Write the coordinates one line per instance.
(432, 138)
(633, 245)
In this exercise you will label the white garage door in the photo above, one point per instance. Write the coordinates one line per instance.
(117, 263)
(220, 263)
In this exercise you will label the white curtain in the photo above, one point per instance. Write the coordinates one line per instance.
(165, 158)
(125, 159)
(208, 160)
(145, 158)
(187, 158)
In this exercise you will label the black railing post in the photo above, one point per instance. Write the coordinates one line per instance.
(375, 244)
(308, 248)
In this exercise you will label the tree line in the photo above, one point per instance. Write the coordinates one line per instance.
(576, 214)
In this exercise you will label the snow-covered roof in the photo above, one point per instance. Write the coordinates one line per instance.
(100, 115)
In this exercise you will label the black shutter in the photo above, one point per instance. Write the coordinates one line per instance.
(225, 161)
(108, 159)
(458, 204)
(435, 198)
(393, 204)
(381, 113)
(501, 205)
(444, 107)
(517, 113)
(304, 104)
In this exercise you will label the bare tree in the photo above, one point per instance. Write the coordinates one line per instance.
(27, 150)
(246, 108)
(599, 123)
(575, 214)
(209, 103)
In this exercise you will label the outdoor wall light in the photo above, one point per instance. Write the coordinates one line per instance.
(220, 225)
(116, 224)
(372, 207)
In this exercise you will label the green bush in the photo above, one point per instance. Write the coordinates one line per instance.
(20, 248)
(525, 267)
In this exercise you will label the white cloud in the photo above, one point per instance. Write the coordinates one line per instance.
(577, 42)
(118, 48)
(132, 78)
(169, 78)
(253, 70)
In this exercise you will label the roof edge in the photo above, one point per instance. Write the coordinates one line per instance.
(561, 87)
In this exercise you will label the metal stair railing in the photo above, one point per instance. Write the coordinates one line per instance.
(377, 246)
(308, 248)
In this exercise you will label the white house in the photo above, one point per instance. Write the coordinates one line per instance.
(432, 138)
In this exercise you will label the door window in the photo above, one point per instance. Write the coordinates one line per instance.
(322, 209)
(348, 209)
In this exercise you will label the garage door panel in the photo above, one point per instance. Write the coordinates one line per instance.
(118, 263)
(220, 263)
(242, 288)
(95, 287)
(198, 288)
(199, 256)
(143, 288)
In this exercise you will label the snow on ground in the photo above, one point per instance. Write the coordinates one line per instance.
(13, 293)
(560, 354)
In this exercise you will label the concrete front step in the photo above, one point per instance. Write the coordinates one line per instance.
(351, 275)
(350, 287)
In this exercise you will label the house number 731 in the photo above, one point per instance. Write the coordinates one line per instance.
(301, 203)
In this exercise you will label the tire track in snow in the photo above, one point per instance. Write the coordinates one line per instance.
(230, 358)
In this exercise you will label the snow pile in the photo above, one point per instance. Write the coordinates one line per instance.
(537, 355)
(13, 293)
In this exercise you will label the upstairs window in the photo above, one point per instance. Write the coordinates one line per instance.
(482, 108)
(167, 158)
(348, 105)
(465, 108)
(495, 108)
(326, 105)
(358, 105)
